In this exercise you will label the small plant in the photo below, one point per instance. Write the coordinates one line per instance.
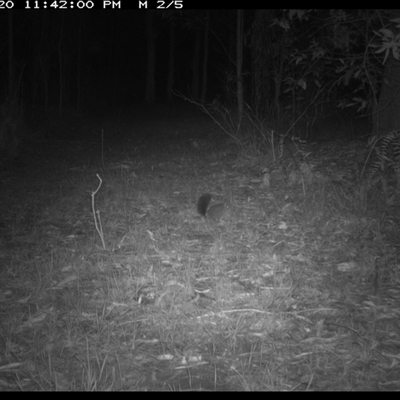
(384, 154)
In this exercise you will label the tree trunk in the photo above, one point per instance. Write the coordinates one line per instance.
(388, 112)
(151, 59)
(195, 66)
(205, 58)
(10, 56)
(61, 67)
(78, 69)
(171, 63)
(239, 63)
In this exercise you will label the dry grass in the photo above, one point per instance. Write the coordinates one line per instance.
(293, 290)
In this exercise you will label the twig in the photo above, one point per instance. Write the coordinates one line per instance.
(96, 215)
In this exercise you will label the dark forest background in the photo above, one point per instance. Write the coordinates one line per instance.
(294, 67)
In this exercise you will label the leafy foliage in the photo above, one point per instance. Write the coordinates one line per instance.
(385, 157)
(315, 59)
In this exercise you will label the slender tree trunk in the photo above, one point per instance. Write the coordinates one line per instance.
(151, 59)
(205, 58)
(388, 115)
(171, 63)
(60, 66)
(36, 42)
(78, 69)
(42, 52)
(10, 56)
(388, 111)
(195, 66)
(45, 82)
(239, 64)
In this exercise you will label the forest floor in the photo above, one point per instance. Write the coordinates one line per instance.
(296, 288)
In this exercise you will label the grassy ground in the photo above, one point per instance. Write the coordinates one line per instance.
(296, 288)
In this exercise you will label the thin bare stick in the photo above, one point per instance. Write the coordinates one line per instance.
(96, 215)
